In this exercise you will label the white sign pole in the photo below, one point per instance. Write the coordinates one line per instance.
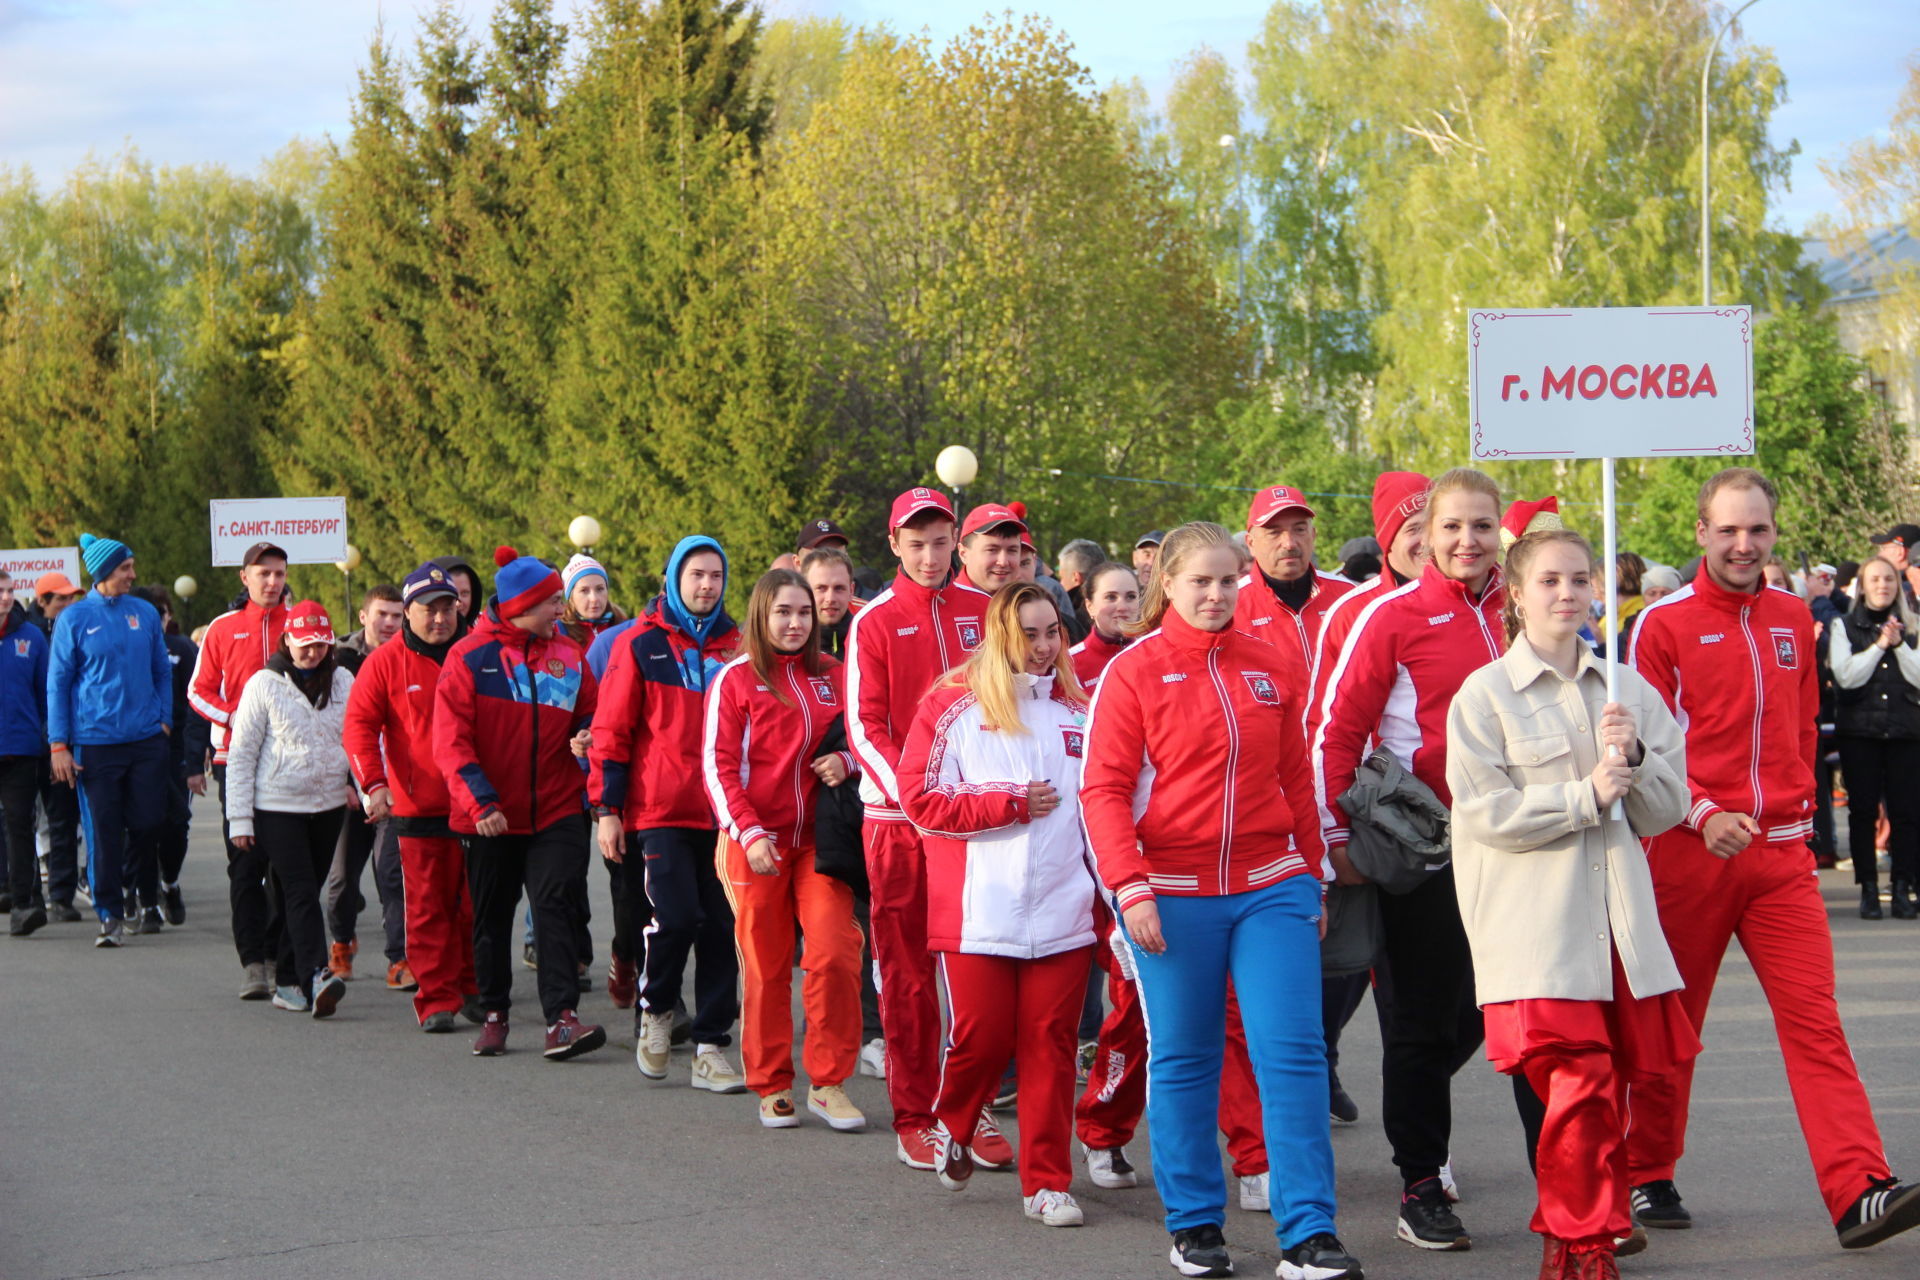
(1610, 543)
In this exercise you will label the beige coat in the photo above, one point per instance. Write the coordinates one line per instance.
(1547, 886)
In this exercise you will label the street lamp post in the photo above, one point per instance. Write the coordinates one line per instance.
(346, 568)
(1706, 159)
(584, 533)
(957, 467)
(186, 588)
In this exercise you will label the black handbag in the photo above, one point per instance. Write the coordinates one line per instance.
(837, 848)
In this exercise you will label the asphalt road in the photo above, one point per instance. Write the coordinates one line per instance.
(154, 1125)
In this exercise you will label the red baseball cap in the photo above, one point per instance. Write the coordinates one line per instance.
(308, 623)
(989, 515)
(1269, 503)
(913, 502)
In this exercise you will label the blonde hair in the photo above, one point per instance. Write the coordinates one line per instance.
(988, 673)
(1464, 480)
(1180, 546)
(1521, 555)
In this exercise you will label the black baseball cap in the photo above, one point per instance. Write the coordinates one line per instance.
(259, 550)
(1907, 535)
(815, 532)
(1153, 539)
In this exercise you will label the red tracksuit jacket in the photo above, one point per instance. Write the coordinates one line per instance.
(505, 709)
(1738, 672)
(647, 735)
(1261, 614)
(237, 644)
(389, 730)
(1091, 656)
(905, 639)
(1194, 732)
(1409, 652)
(760, 751)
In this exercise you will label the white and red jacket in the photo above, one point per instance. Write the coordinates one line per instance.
(237, 644)
(1091, 656)
(1738, 671)
(1409, 652)
(1264, 616)
(759, 751)
(1196, 779)
(999, 881)
(906, 638)
(1336, 624)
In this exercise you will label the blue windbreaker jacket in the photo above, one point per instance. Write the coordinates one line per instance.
(23, 686)
(108, 678)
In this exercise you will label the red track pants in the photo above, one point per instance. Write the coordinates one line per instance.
(1116, 1094)
(1769, 898)
(1005, 1009)
(765, 910)
(909, 1002)
(439, 923)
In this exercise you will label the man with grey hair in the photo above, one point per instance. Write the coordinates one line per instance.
(1077, 559)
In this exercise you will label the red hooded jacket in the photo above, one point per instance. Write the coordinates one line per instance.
(760, 751)
(505, 711)
(1409, 652)
(1196, 780)
(389, 730)
(648, 733)
(237, 644)
(1738, 671)
(906, 638)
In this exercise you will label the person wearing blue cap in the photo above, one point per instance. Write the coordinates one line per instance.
(109, 710)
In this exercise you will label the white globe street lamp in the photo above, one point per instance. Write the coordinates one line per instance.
(584, 532)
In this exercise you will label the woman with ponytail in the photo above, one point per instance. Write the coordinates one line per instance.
(1199, 806)
(1572, 970)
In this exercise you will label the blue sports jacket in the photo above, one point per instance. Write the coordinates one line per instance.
(23, 686)
(108, 679)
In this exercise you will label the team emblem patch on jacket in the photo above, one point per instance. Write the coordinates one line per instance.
(823, 691)
(1261, 685)
(1786, 651)
(22, 648)
(1076, 741)
(133, 620)
(969, 629)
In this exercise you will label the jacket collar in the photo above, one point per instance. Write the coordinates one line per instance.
(1524, 665)
(1713, 593)
(1434, 582)
(504, 633)
(1184, 635)
(905, 588)
(1100, 644)
(1028, 685)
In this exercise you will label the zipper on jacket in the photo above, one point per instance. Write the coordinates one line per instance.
(800, 761)
(1759, 711)
(1233, 762)
(533, 755)
(939, 635)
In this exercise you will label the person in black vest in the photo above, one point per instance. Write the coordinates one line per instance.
(1876, 674)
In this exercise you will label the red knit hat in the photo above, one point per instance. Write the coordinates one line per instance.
(1398, 496)
(1523, 518)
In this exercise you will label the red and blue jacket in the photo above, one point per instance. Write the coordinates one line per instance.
(505, 711)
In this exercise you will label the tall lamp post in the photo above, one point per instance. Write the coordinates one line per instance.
(957, 468)
(1706, 159)
(346, 568)
(186, 588)
(584, 533)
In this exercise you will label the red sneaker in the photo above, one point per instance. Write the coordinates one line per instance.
(340, 960)
(623, 982)
(492, 1040)
(991, 1150)
(568, 1038)
(918, 1148)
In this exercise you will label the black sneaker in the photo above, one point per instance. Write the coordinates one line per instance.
(1870, 902)
(23, 921)
(1341, 1108)
(1320, 1257)
(1427, 1220)
(439, 1022)
(64, 913)
(1200, 1251)
(174, 905)
(470, 1010)
(149, 921)
(1887, 1209)
(1657, 1205)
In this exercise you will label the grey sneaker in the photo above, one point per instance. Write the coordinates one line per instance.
(655, 1045)
(112, 934)
(255, 985)
(328, 987)
(439, 1022)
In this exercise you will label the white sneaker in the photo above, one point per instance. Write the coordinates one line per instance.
(831, 1103)
(1110, 1168)
(873, 1059)
(655, 1043)
(1055, 1208)
(1447, 1184)
(712, 1071)
(1253, 1194)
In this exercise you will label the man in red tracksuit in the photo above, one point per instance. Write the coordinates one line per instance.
(389, 741)
(1735, 661)
(990, 542)
(509, 716)
(1284, 599)
(902, 642)
(238, 644)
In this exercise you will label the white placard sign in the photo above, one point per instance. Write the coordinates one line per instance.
(1610, 382)
(26, 564)
(310, 530)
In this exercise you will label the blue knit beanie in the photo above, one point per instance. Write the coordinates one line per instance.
(102, 555)
(523, 582)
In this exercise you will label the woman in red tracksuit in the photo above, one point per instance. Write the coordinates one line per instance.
(1199, 808)
(1112, 594)
(767, 713)
(1409, 652)
(990, 774)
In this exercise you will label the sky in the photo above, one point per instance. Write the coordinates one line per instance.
(230, 81)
